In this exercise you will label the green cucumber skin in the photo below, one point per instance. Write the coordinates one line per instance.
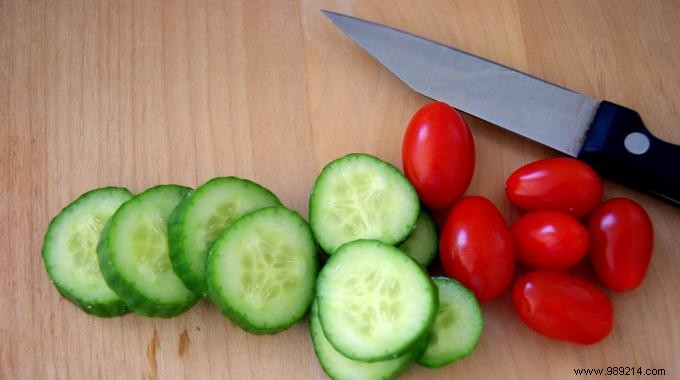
(214, 289)
(411, 245)
(439, 362)
(105, 310)
(114, 308)
(316, 333)
(177, 234)
(135, 300)
(313, 201)
(423, 335)
(178, 257)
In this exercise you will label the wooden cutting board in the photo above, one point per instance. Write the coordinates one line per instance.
(136, 93)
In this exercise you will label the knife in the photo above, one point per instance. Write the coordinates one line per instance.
(609, 137)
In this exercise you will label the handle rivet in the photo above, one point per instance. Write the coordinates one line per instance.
(636, 143)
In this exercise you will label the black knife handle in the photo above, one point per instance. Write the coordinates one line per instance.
(619, 146)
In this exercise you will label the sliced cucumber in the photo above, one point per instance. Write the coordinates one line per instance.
(456, 329)
(359, 196)
(133, 254)
(202, 216)
(423, 242)
(70, 256)
(339, 367)
(260, 273)
(375, 302)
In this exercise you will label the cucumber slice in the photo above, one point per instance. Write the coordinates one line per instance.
(359, 196)
(456, 329)
(423, 242)
(133, 254)
(375, 302)
(202, 216)
(69, 251)
(339, 367)
(260, 273)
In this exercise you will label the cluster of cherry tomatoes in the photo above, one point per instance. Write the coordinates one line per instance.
(564, 223)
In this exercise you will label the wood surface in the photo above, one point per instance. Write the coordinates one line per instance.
(136, 93)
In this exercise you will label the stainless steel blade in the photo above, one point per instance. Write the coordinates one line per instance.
(526, 105)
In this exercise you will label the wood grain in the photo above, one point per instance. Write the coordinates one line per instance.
(136, 93)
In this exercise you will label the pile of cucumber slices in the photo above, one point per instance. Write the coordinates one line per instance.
(373, 308)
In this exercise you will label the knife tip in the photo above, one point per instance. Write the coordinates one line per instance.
(327, 13)
(331, 15)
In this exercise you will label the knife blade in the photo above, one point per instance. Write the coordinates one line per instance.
(609, 137)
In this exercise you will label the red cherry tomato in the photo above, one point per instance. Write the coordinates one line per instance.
(563, 307)
(621, 238)
(476, 247)
(557, 184)
(549, 240)
(438, 154)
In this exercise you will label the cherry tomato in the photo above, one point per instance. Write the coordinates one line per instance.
(549, 240)
(621, 238)
(563, 307)
(557, 184)
(438, 154)
(476, 247)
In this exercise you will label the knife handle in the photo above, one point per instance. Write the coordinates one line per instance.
(619, 146)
